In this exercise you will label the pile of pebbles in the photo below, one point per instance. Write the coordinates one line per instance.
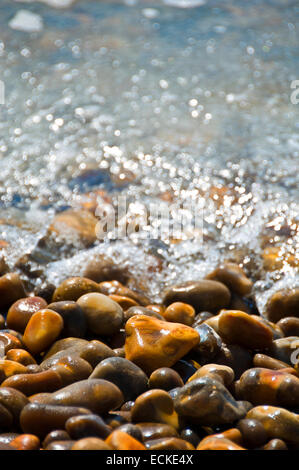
(97, 366)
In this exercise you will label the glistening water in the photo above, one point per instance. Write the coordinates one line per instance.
(161, 102)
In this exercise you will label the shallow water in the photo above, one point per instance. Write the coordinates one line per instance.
(155, 102)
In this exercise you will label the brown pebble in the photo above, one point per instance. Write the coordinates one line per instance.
(154, 406)
(29, 384)
(116, 288)
(22, 310)
(215, 443)
(90, 443)
(237, 327)
(73, 288)
(103, 315)
(275, 444)
(124, 302)
(74, 321)
(233, 277)
(165, 379)
(284, 303)
(178, 312)
(152, 343)
(253, 432)
(21, 356)
(91, 425)
(156, 430)
(202, 295)
(279, 423)
(11, 289)
(42, 329)
(57, 435)
(60, 445)
(267, 362)
(10, 368)
(168, 443)
(223, 373)
(289, 326)
(14, 401)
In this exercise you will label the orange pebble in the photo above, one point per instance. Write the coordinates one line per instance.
(21, 356)
(180, 312)
(123, 301)
(26, 442)
(42, 330)
(216, 443)
(119, 440)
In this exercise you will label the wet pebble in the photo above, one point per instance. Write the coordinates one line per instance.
(178, 312)
(284, 303)
(42, 329)
(165, 378)
(11, 290)
(73, 288)
(74, 321)
(90, 425)
(22, 310)
(104, 316)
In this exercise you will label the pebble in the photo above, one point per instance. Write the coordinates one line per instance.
(132, 311)
(117, 288)
(26, 442)
(209, 345)
(81, 426)
(73, 288)
(119, 440)
(154, 406)
(14, 401)
(206, 401)
(97, 395)
(233, 277)
(269, 387)
(73, 227)
(202, 295)
(151, 343)
(165, 378)
(279, 423)
(11, 290)
(253, 433)
(267, 362)
(57, 435)
(214, 443)
(40, 419)
(124, 302)
(22, 310)
(42, 329)
(156, 430)
(21, 356)
(70, 369)
(289, 326)
(30, 384)
(90, 443)
(275, 444)
(129, 378)
(10, 368)
(284, 303)
(168, 443)
(74, 320)
(104, 316)
(223, 373)
(179, 312)
(237, 327)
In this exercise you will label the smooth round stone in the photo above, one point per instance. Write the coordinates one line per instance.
(223, 373)
(178, 312)
(21, 356)
(237, 327)
(160, 309)
(267, 362)
(215, 443)
(90, 443)
(269, 387)
(93, 352)
(91, 425)
(132, 311)
(22, 310)
(202, 295)
(275, 444)
(132, 430)
(73, 288)
(154, 406)
(284, 303)
(206, 401)
(168, 443)
(42, 330)
(116, 288)
(156, 430)
(210, 343)
(123, 301)
(152, 343)
(57, 435)
(40, 419)
(104, 316)
(99, 396)
(284, 349)
(128, 377)
(165, 379)
(11, 290)
(10, 368)
(26, 442)
(119, 440)
(120, 352)
(71, 369)
(30, 384)
(14, 401)
(279, 423)
(64, 344)
(233, 277)
(102, 268)
(289, 326)
(60, 445)
(253, 432)
(74, 321)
